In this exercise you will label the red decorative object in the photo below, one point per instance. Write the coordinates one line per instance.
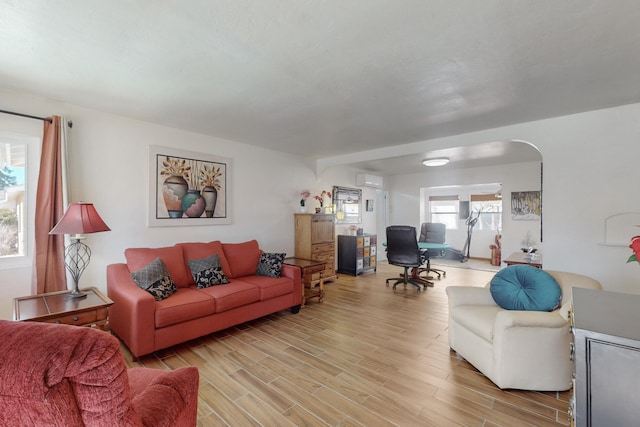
(80, 218)
(496, 251)
(635, 247)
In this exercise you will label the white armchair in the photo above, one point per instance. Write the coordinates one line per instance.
(526, 350)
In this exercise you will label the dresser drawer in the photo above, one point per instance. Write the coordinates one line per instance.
(76, 319)
(322, 247)
(326, 257)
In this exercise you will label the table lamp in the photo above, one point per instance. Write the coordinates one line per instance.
(80, 218)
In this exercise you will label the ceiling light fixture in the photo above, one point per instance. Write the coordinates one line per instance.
(436, 161)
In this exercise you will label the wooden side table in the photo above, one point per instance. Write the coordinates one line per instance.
(312, 277)
(55, 307)
(521, 258)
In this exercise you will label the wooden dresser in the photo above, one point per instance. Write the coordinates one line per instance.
(315, 240)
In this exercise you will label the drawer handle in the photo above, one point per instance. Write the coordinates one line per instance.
(58, 322)
(572, 349)
(75, 318)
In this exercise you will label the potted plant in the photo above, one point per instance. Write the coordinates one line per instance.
(304, 194)
(320, 198)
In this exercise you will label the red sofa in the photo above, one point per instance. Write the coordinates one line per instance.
(71, 376)
(146, 325)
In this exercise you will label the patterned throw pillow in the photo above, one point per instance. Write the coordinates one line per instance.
(270, 264)
(207, 271)
(155, 279)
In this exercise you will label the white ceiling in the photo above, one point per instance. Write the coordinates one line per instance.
(325, 78)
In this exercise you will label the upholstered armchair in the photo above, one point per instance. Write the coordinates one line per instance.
(515, 349)
(61, 375)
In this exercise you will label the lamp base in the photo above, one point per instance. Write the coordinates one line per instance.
(76, 294)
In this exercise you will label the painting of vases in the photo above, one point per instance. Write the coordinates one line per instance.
(188, 188)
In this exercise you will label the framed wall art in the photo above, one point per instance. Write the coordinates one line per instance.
(187, 188)
(525, 206)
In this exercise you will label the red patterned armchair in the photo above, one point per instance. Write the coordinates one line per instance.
(60, 375)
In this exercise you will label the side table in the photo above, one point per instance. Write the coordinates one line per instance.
(312, 277)
(522, 258)
(55, 307)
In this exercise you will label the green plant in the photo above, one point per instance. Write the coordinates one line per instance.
(6, 178)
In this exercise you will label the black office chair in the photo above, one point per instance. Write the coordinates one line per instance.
(432, 232)
(403, 251)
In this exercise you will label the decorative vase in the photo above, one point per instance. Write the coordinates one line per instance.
(303, 209)
(193, 204)
(174, 189)
(210, 195)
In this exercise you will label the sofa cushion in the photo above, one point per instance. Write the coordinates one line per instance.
(155, 279)
(235, 294)
(207, 271)
(171, 256)
(523, 287)
(199, 250)
(270, 264)
(242, 257)
(271, 287)
(185, 304)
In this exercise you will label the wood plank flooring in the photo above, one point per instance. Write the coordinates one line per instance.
(366, 356)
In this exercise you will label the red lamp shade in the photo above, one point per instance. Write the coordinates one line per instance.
(80, 218)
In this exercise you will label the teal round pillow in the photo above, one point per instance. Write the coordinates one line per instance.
(523, 287)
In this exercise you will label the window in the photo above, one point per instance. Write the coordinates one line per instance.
(490, 208)
(13, 213)
(444, 209)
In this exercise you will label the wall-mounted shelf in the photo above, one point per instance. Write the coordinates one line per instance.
(619, 228)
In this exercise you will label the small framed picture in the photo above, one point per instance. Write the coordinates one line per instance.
(369, 205)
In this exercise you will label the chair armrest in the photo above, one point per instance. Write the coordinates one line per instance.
(132, 314)
(506, 319)
(469, 295)
(165, 398)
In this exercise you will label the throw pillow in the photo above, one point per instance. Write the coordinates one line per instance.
(207, 271)
(523, 287)
(270, 264)
(154, 278)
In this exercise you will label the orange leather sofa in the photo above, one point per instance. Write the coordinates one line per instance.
(146, 325)
(71, 376)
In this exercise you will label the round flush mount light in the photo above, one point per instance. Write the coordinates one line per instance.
(436, 161)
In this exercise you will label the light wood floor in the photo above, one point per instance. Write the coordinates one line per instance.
(366, 356)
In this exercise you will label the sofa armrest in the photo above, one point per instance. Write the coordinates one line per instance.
(132, 314)
(294, 273)
(469, 295)
(506, 319)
